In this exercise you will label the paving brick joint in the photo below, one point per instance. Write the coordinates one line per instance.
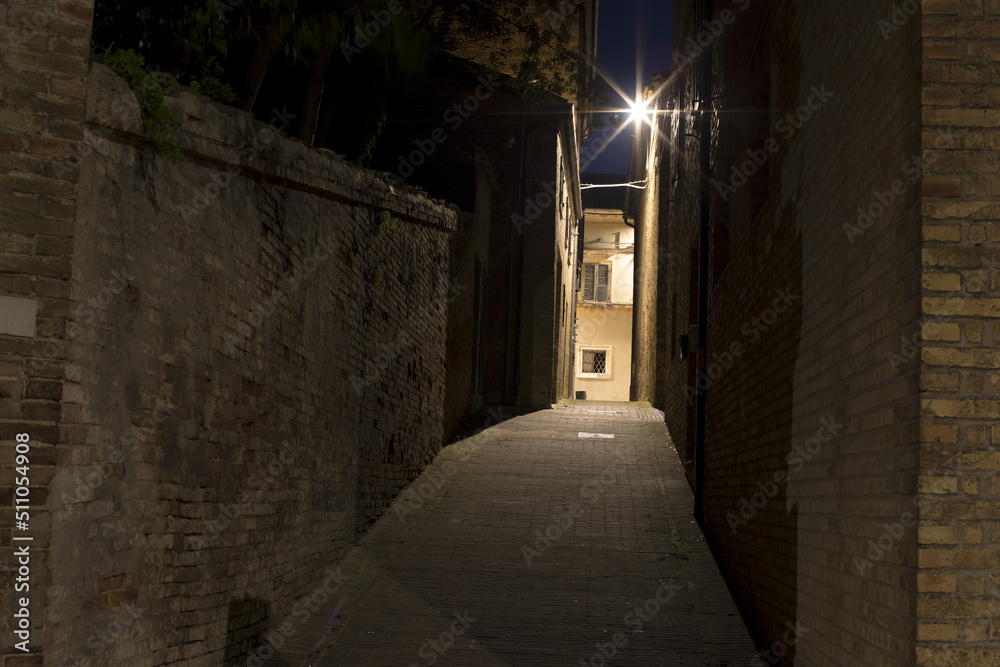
(623, 578)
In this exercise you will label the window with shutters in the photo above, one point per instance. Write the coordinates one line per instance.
(597, 282)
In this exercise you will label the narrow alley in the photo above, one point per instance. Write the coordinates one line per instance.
(500, 332)
(538, 541)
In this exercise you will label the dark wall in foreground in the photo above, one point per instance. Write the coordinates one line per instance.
(811, 439)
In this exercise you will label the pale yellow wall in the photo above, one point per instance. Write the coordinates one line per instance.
(604, 227)
(569, 210)
(601, 325)
(607, 325)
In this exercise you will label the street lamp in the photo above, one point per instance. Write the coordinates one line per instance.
(639, 110)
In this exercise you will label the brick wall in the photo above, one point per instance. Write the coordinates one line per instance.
(259, 370)
(811, 452)
(44, 63)
(958, 587)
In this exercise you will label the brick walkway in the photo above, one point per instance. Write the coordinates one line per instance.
(535, 546)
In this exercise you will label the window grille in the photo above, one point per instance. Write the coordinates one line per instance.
(595, 361)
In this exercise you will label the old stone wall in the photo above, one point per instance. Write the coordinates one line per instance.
(260, 369)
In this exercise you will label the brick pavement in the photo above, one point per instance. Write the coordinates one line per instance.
(477, 549)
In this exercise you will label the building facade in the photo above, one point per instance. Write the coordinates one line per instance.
(530, 145)
(603, 348)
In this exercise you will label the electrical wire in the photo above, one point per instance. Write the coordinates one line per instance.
(633, 184)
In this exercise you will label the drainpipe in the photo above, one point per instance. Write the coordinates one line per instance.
(705, 129)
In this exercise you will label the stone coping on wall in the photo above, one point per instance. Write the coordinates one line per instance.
(234, 140)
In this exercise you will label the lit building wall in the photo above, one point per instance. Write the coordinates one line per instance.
(603, 354)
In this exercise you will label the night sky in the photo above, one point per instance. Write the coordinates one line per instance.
(632, 35)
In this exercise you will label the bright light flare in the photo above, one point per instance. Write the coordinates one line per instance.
(639, 110)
